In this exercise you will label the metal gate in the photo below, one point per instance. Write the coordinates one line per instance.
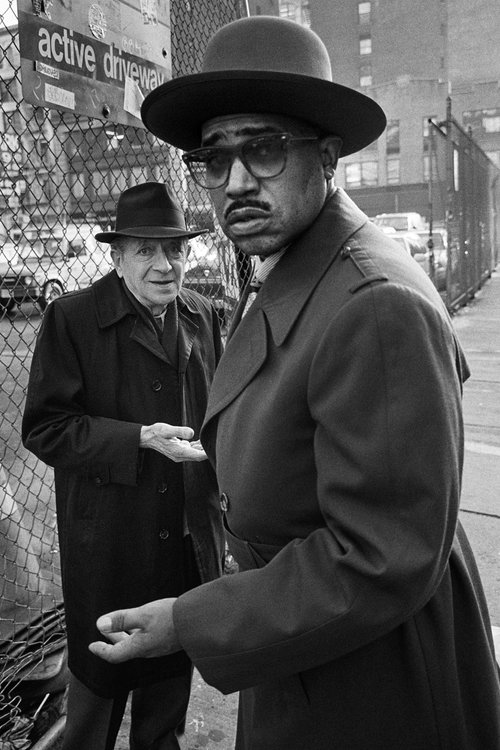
(60, 177)
(464, 202)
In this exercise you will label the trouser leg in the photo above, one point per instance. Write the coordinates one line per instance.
(92, 722)
(158, 714)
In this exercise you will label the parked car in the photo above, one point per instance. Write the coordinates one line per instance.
(212, 272)
(406, 221)
(439, 239)
(42, 267)
(17, 282)
(414, 246)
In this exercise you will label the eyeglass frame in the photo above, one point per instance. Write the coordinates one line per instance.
(238, 152)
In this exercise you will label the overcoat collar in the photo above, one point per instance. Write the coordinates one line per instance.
(282, 298)
(112, 304)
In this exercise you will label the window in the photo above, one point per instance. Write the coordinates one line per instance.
(365, 45)
(482, 121)
(361, 174)
(365, 75)
(364, 10)
(456, 169)
(426, 126)
(393, 177)
(427, 134)
(491, 124)
(392, 137)
(298, 11)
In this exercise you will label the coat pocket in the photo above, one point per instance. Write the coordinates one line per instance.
(249, 555)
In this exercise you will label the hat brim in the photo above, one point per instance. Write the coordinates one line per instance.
(176, 111)
(155, 233)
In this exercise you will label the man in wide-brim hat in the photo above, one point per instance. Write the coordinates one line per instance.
(357, 620)
(118, 389)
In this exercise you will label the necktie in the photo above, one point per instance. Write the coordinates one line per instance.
(261, 273)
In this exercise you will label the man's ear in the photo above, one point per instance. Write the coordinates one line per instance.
(330, 147)
(116, 257)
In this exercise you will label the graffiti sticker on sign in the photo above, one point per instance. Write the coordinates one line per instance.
(94, 58)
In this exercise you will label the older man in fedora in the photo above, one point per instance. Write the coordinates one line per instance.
(117, 392)
(357, 620)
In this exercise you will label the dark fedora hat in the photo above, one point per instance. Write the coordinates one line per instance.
(262, 65)
(148, 210)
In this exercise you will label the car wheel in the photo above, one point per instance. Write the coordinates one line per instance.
(51, 291)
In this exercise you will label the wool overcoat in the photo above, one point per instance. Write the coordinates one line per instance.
(357, 620)
(98, 374)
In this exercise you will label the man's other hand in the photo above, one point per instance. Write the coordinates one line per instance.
(173, 442)
(142, 632)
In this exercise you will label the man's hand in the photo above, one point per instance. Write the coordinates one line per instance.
(142, 632)
(172, 442)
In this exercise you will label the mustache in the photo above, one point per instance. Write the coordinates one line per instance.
(247, 203)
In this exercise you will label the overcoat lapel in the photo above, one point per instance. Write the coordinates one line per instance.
(112, 304)
(147, 337)
(242, 359)
(188, 330)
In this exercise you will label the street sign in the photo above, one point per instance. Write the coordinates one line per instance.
(94, 58)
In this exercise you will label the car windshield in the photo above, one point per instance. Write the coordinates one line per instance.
(397, 222)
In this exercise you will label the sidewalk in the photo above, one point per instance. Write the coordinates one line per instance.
(478, 328)
(211, 721)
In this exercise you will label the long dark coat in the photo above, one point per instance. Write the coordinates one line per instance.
(98, 374)
(358, 621)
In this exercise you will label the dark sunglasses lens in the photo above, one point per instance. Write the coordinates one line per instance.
(265, 156)
(208, 167)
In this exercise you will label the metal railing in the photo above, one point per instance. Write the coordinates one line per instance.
(464, 201)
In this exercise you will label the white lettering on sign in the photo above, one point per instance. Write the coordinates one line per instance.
(47, 70)
(115, 66)
(62, 47)
(58, 96)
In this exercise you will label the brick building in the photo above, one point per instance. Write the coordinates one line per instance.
(409, 57)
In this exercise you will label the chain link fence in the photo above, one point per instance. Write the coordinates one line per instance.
(464, 203)
(60, 177)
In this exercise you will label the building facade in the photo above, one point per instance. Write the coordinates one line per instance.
(411, 58)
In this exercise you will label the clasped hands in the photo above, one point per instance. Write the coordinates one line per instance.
(141, 632)
(173, 442)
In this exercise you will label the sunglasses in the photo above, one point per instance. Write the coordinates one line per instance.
(264, 156)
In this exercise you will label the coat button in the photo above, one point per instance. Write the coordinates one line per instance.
(164, 534)
(98, 480)
(156, 385)
(162, 488)
(224, 502)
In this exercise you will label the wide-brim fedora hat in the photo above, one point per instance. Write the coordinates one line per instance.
(148, 210)
(262, 65)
